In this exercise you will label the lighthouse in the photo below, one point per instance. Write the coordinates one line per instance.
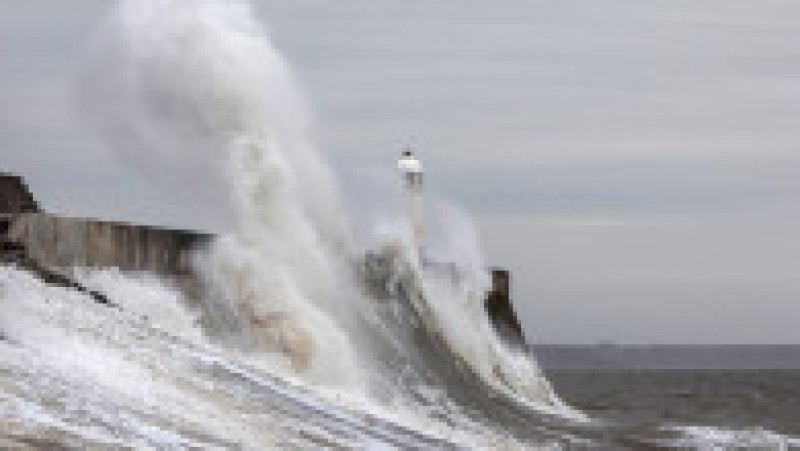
(411, 173)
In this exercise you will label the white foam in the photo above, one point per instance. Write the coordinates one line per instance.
(720, 438)
(197, 97)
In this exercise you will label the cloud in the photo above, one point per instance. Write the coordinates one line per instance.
(550, 82)
(622, 189)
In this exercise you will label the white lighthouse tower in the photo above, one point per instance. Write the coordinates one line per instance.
(412, 173)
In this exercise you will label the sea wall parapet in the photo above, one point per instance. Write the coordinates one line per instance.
(62, 242)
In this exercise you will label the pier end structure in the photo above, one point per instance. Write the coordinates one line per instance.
(500, 308)
(385, 277)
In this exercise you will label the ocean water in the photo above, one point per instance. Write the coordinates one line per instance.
(709, 408)
(283, 348)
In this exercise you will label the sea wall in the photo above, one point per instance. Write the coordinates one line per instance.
(61, 242)
(52, 245)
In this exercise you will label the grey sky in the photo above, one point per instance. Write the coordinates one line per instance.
(635, 163)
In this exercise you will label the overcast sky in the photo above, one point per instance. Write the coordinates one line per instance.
(635, 163)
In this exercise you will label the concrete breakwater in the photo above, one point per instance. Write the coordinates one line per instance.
(60, 242)
(50, 245)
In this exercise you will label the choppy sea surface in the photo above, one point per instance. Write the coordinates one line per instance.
(707, 409)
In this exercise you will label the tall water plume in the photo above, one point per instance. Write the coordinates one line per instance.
(196, 96)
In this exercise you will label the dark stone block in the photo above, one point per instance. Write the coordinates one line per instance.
(500, 309)
(15, 197)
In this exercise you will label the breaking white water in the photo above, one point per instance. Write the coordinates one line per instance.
(283, 348)
(80, 374)
(196, 94)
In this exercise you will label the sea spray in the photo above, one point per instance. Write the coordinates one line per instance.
(194, 94)
(78, 374)
(452, 278)
(456, 298)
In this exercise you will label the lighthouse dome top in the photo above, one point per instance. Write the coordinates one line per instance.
(408, 162)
